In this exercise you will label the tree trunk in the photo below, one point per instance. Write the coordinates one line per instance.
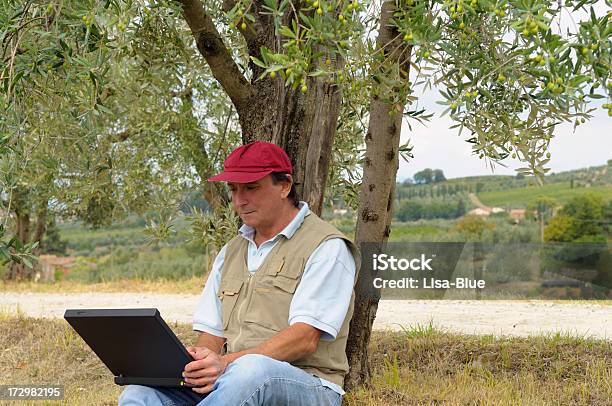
(377, 190)
(304, 124)
(41, 225)
(18, 271)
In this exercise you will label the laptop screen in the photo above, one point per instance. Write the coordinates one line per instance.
(131, 342)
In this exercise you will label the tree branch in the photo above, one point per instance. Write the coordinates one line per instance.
(187, 93)
(121, 136)
(211, 46)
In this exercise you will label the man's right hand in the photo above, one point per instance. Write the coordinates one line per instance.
(203, 372)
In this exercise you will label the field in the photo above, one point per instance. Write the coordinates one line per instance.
(407, 231)
(521, 197)
(122, 252)
(421, 366)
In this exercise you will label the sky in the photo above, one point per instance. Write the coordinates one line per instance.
(438, 147)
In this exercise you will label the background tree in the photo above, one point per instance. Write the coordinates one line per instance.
(581, 219)
(543, 208)
(425, 176)
(438, 176)
(579, 241)
(473, 227)
(607, 218)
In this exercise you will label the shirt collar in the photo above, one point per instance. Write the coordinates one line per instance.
(248, 232)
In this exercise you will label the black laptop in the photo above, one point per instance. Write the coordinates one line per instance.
(135, 344)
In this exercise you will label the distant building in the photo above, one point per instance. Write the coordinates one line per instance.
(517, 214)
(485, 211)
(49, 264)
(479, 211)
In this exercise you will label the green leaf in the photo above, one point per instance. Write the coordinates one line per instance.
(286, 31)
(258, 62)
(318, 72)
(26, 262)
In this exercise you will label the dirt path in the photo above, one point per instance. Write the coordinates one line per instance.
(516, 318)
(476, 201)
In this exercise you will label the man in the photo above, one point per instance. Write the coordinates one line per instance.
(274, 314)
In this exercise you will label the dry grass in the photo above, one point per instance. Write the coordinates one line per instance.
(38, 351)
(424, 366)
(192, 285)
(421, 366)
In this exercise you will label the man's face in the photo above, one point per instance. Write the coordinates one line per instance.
(259, 203)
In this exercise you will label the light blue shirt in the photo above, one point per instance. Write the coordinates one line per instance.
(321, 299)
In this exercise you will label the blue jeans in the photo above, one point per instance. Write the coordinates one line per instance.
(250, 380)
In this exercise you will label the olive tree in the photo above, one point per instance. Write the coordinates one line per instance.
(299, 72)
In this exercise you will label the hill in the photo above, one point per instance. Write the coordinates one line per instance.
(513, 191)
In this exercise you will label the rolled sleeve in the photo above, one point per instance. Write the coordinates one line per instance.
(323, 296)
(208, 316)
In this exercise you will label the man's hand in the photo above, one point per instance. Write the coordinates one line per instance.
(205, 370)
(290, 344)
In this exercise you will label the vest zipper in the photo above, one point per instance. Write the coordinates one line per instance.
(240, 316)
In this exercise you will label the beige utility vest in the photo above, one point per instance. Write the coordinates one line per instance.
(256, 306)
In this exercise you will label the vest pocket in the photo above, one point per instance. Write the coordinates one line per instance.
(287, 284)
(285, 275)
(270, 302)
(289, 269)
(269, 308)
(230, 289)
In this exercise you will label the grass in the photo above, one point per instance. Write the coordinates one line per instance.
(188, 285)
(408, 230)
(171, 263)
(77, 232)
(37, 351)
(521, 197)
(419, 366)
(424, 366)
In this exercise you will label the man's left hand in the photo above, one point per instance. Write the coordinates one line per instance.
(205, 370)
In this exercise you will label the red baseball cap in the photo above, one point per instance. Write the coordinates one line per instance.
(252, 162)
